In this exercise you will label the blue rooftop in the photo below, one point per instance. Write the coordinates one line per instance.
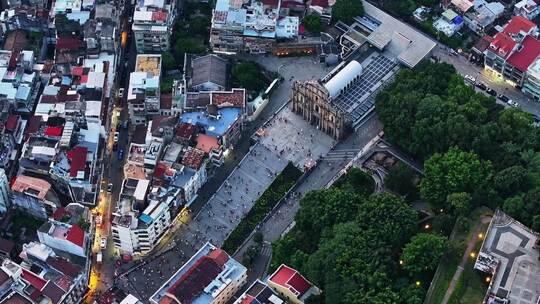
(145, 218)
(66, 80)
(213, 127)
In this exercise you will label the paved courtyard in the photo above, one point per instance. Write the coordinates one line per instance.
(294, 139)
(285, 138)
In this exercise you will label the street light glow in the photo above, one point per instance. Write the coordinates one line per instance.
(418, 283)
(473, 254)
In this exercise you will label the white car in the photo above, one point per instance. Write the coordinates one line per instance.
(116, 136)
(512, 103)
(120, 92)
(103, 242)
(470, 78)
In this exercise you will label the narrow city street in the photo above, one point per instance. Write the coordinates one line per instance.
(464, 67)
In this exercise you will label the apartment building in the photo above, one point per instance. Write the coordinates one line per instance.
(141, 218)
(44, 276)
(513, 51)
(152, 25)
(250, 26)
(63, 236)
(143, 94)
(34, 196)
(531, 84)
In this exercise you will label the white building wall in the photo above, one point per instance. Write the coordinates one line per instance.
(60, 244)
(5, 198)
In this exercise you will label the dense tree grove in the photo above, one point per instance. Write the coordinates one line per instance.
(346, 10)
(475, 151)
(347, 241)
(247, 74)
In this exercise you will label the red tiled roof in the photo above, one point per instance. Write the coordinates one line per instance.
(299, 283)
(165, 101)
(523, 58)
(68, 43)
(48, 99)
(207, 143)
(219, 256)
(53, 292)
(503, 43)
(273, 3)
(77, 71)
(321, 3)
(249, 300)
(11, 122)
(193, 282)
(186, 131)
(290, 279)
(54, 131)
(235, 98)
(77, 156)
(76, 235)
(63, 266)
(6, 246)
(33, 279)
(193, 158)
(33, 124)
(159, 16)
(59, 213)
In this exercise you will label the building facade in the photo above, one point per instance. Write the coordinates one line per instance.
(5, 196)
(152, 25)
(312, 101)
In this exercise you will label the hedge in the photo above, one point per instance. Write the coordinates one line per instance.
(264, 204)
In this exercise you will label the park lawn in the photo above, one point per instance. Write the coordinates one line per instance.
(449, 265)
(471, 287)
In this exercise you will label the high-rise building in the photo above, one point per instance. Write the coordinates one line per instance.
(152, 25)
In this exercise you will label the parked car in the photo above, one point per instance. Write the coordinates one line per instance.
(103, 242)
(512, 103)
(109, 187)
(481, 86)
(503, 97)
(120, 92)
(470, 78)
(491, 92)
(116, 136)
(120, 154)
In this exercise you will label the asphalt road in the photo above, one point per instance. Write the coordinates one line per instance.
(464, 67)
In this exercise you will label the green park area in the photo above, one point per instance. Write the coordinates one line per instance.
(360, 247)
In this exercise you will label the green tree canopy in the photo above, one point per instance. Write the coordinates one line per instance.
(401, 179)
(247, 74)
(390, 216)
(322, 209)
(346, 10)
(357, 181)
(168, 62)
(312, 23)
(460, 202)
(423, 252)
(453, 171)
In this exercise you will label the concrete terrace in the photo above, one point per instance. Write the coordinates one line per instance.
(508, 253)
